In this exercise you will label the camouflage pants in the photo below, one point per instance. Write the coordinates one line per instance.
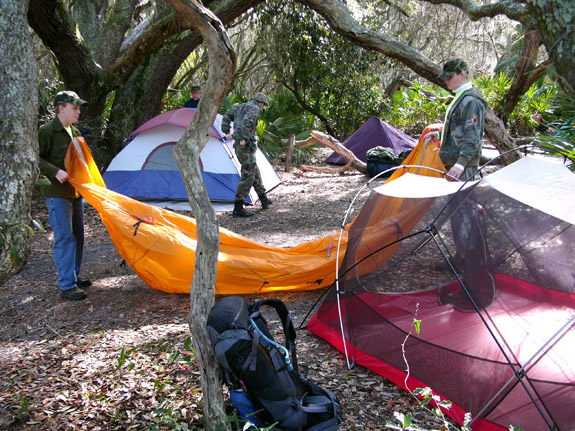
(473, 257)
(250, 173)
(468, 228)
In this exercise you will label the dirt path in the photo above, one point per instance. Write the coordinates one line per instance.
(119, 359)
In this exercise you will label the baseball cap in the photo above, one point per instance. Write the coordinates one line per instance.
(196, 88)
(453, 66)
(63, 97)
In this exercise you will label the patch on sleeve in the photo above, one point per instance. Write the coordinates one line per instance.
(474, 120)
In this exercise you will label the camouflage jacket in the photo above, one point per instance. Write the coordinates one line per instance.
(463, 130)
(245, 118)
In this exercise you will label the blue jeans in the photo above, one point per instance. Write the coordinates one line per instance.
(66, 217)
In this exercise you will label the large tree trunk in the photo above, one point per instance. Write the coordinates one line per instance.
(98, 52)
(145, 90)
(18, 135)
(222, 60)
(496, 134)
(556, 23)
(527, 73)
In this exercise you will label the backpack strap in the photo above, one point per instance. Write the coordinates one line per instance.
(283, 313)
(287, 324)
(251, 360)
(224, 341)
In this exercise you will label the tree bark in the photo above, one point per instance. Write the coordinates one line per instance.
(18, 136)
(289, 155)
(527, 73)
(222, 60)
(496, 134)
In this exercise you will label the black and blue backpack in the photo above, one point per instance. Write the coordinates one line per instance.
(266, 372)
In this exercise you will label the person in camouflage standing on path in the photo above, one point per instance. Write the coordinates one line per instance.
(245, 118)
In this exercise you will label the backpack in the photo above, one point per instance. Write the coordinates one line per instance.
(266, 370)
(380, 159)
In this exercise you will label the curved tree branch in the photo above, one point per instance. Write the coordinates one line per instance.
(56, 29)
(341, 21)
(141, 46)
(221, 68)
(510, 8)
(526, 75)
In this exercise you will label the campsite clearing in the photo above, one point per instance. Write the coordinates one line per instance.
(103, 363)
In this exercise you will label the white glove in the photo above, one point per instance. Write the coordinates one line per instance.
(229, 137)
(431, 135)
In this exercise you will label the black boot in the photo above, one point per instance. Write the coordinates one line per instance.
(239, 210)
(266, 202)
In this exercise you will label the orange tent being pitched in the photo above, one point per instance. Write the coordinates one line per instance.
(159, 245)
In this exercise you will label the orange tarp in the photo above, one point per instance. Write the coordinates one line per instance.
(159, 245)
(392, 217)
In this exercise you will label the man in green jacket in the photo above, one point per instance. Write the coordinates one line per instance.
(460, 151)
(245, 118)
(65, 208)
(464, 123)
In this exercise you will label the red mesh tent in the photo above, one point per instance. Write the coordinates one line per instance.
(488, 269)
(374, 133)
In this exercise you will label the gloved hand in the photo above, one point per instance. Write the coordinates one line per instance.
(454, 173)
(229, 137)
(431, 135)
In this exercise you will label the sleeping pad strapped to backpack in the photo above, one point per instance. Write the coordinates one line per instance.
(268, 370)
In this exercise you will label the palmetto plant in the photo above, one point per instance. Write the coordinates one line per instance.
(279, 121)
(561, 140)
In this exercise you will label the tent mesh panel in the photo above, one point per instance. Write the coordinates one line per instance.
(502, 250)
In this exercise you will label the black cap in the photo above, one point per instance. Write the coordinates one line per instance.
(453, 66)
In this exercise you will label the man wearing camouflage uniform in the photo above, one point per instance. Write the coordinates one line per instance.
(464, 123)
(461, 142)
(245, 118)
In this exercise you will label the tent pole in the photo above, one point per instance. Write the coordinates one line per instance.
(524, 368)
(489, 329)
